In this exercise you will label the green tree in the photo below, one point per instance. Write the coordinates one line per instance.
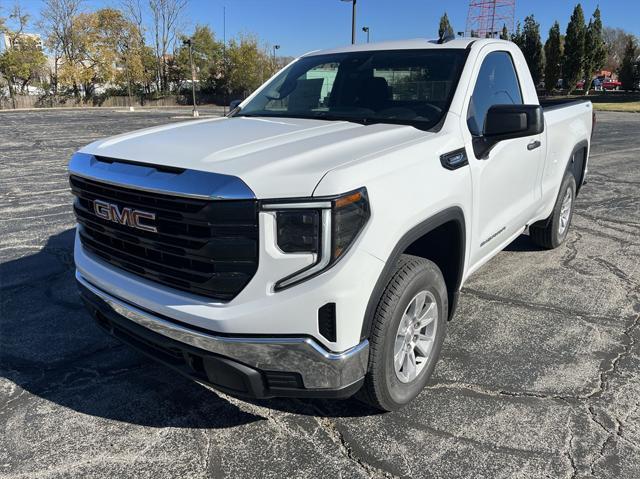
(628, 73)
(574, 48)
(103, 43)
(207, 58)
(504, 34)
(248, 65)
(594, 49)
(23, 60)
(445, 29)
(553, 58)
(532, 48)
(599, 54)
(517, 37)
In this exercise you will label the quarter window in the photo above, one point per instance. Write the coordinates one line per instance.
(497, 84)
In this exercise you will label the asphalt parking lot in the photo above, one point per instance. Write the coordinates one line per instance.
(540, 374)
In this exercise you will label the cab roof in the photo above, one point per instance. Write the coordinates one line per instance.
(413, 44)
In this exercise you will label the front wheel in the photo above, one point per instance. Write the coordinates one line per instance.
(407, 334)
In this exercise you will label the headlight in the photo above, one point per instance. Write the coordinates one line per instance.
(326, 227)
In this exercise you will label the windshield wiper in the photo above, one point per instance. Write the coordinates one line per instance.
(360, 120)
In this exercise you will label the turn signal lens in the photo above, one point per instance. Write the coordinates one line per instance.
(350, 214)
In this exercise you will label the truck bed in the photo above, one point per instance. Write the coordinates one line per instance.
(549, 104)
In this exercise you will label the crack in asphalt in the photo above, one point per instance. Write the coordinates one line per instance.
(514, 451)
(626, 350)
(338, 438)
(613, 269)
(530, 305)
(572, 254)
(568, 450)
(600, 219)
(602, 234)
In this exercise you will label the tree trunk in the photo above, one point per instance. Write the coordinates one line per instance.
(12, 93)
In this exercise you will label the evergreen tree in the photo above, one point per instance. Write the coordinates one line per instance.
(532, 48)
(588, 62)
(504, 34)
(628, 73)
(553, 58)
(595, 53)
(600, 52)
(445, 29)
(517, 37)
(574, 48)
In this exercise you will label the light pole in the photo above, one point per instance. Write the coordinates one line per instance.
(366, 30)
(275, 47)
(353, 20)
(188, 42)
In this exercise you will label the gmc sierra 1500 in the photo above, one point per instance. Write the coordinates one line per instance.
(314, 241)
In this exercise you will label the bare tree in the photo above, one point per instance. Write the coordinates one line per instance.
(165, 16)
(615, 40)
(134, 12)
(57, 19)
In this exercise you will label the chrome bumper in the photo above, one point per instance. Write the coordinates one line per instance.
(320, 369)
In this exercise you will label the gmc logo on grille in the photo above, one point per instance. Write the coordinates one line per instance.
(125, 216)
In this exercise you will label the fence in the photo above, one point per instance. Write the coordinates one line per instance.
(32, 101)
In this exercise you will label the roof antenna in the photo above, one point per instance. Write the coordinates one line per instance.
(446, 37)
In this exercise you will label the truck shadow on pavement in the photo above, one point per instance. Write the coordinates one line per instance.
(50, 348)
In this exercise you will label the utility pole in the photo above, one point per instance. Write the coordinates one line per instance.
(224, 60)
(275, 47)
(188, 42)
(353, 20)
(366, 30)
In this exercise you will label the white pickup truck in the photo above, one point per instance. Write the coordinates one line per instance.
(313, 242)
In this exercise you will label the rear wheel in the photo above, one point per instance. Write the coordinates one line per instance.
(552, 232)
(408, 330)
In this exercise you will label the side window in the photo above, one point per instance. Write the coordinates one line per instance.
(497, 84)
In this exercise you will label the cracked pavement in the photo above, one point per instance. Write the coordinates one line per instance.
(539, 377)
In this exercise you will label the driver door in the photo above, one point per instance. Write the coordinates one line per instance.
(504, 182)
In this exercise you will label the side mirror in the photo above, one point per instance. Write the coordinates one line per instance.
(234, 104)
(505, 122)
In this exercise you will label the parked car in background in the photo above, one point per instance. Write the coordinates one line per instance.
(611, 84)
(600, 82)
(314, 242)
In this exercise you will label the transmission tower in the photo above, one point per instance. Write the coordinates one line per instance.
(486, 17)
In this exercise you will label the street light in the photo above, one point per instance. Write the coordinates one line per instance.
(188, 42)
(366, 30)
(275, 47)
(353, 20)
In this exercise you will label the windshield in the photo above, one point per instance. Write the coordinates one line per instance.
(400, 86)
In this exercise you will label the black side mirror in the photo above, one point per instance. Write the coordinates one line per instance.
(505, 122)
(234, 104)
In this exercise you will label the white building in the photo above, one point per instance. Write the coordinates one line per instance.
(5, 42)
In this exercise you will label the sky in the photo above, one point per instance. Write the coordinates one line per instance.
(299, 26)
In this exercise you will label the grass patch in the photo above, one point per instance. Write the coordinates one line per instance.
(608, 101)
(632, 106)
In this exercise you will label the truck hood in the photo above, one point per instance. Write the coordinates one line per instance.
(275, 157)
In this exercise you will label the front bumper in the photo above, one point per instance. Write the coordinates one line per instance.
(246, 366)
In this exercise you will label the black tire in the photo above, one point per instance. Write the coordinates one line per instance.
(382, 389)
(546, 233)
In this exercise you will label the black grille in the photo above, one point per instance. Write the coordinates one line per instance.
(206, 247)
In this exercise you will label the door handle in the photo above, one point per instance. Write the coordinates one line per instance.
(533, 145)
